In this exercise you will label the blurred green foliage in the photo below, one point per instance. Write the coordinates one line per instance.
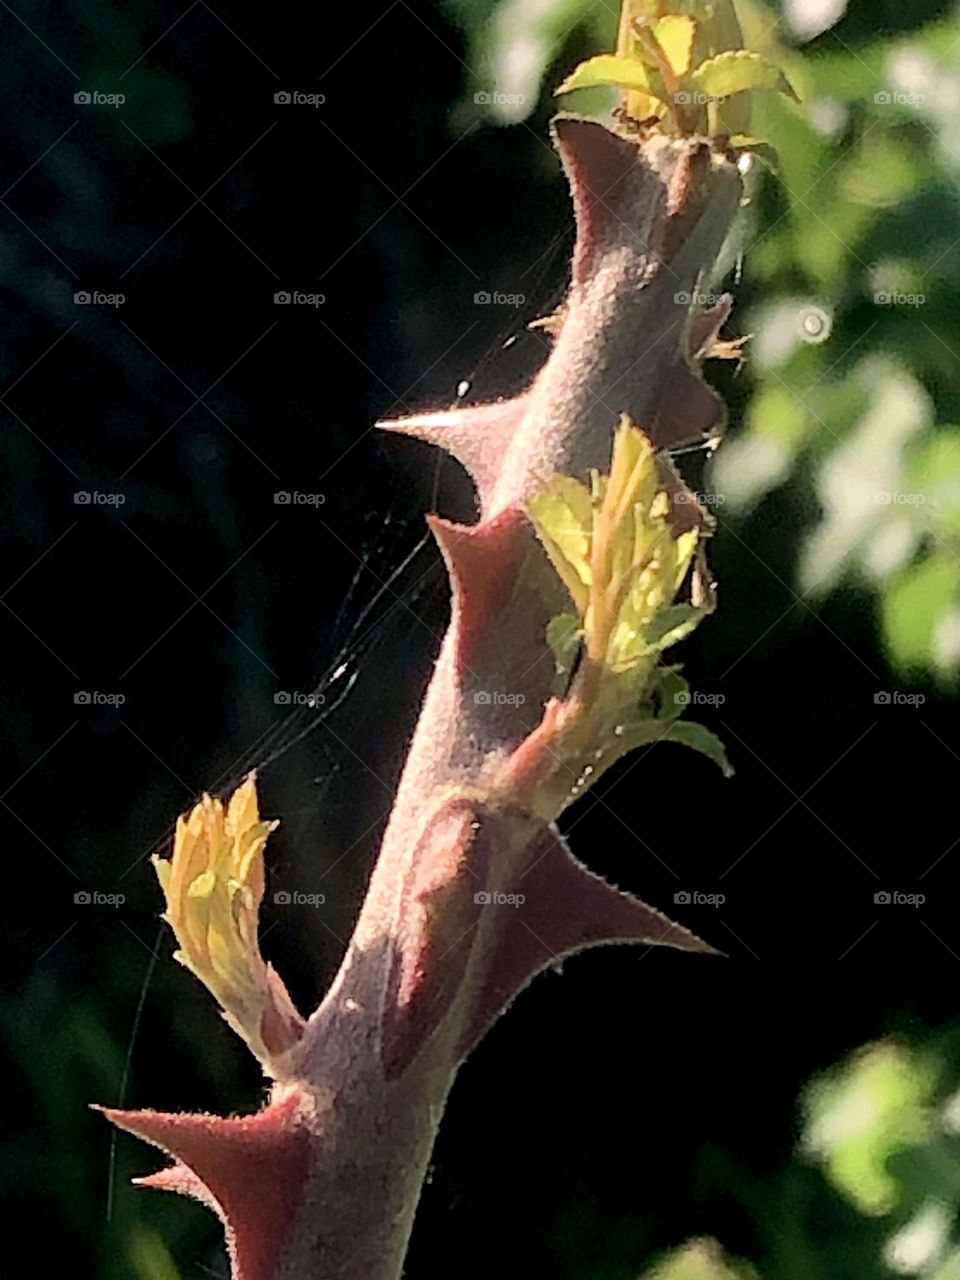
(699, 1260)
(883, 1127)
(851, 268)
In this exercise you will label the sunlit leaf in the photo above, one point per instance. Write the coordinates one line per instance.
(739, 71)
(675, 34)
(608, 69)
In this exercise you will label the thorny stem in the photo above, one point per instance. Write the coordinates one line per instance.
(323, 1183)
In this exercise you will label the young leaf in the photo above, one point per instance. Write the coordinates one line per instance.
(701, 739)
(563, 514)
(672, 625)
(738, 71)
(608, 69)
(675, 34)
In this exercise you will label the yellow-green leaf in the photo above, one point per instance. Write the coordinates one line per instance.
(608, 69)
(675, 34)
(563, 514)
(739, 71)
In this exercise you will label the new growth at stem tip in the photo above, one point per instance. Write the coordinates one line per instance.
(682, 69)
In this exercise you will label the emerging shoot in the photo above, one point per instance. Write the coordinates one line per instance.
(214, 885)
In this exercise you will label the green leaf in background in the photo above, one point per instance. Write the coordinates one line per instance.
(149, 1257)
(921, 614)
(877, 1103)
(699, 1260)
(933, 469)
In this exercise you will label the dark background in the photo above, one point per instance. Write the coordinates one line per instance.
(642, 1098)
